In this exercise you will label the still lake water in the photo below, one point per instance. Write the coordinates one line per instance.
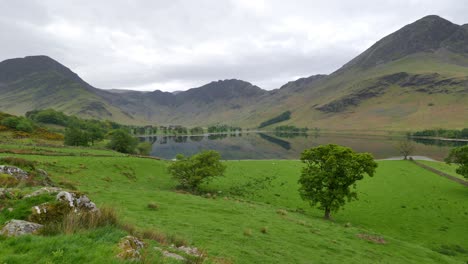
(287, 146)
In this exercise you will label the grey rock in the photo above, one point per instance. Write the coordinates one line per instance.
(20, 227)
(16, 172)
(193, 251)
(43, 191)
(130, 247)
(77, 203)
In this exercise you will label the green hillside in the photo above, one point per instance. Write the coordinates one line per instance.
(414, 78)
(244, 223)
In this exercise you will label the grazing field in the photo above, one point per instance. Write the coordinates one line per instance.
(405, 214)
(444, 167)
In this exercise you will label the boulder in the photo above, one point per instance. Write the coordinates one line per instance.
(77, 202)
(43, 191)
(130, 247)
(20, 227)
(169, 254)
(16, 172)
(193, 251)
(67, 202)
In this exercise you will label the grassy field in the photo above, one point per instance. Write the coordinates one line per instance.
(444, 167)
(255, 219)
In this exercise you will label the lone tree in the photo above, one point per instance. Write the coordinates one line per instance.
(199, 168)
(459, 156)
(330, 172)
(406, 148)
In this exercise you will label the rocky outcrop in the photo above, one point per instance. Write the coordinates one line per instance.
(130, 247)
(77, 202)
(44, 191)
(16, 172)
(20, 227)
(67, 202)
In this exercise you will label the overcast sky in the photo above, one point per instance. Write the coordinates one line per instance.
(176, 45)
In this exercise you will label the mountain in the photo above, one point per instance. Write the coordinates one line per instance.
(38, 82)
(416, 77)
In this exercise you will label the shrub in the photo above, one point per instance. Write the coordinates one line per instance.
(199, 168)
(153, 206)
(264, 230)
(122, 141)
(144, 148)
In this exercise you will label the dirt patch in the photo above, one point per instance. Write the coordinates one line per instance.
(372, 238)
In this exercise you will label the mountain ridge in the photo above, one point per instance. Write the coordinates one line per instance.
(431, 53)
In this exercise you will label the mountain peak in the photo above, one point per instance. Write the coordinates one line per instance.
(17, 68)
(427, 34)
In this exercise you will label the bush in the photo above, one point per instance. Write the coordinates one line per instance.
(122, 141)
(144, 148)
(199, 168)
(76, 137)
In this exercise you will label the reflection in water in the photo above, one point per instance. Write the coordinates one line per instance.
(440, 143)
(282, 143)
(290, 135)
(196, 138)
(217, 136)
(252, 145)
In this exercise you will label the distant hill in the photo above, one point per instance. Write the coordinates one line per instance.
(416, 77)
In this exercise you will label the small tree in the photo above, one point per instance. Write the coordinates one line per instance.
(199, 168)
(76, 137)
(459, 156)
(122, 141)
(144, 148)
(406, 148)
(330, 172)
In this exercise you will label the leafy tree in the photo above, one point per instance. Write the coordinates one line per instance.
(330, 172)
(406, 148)
(459, 156)
(76, 137)
(199, 168)
(24, 125)
(10, 122)
(144, 148)
(95, 132)
(122, 141)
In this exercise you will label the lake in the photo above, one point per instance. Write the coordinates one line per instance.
(288, 146)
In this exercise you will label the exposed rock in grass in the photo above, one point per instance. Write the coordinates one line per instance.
(80, 203)
(43, 191)
(67, 202)
(130, 247)
(20, 227)
(16, 172)
(372, 238)
(168, 254)
(193, 251)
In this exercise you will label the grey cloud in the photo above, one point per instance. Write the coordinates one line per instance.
(135, 44)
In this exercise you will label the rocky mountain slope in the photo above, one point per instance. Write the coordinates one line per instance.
(416, 77)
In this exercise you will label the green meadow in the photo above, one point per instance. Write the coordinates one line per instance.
(254, 214)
